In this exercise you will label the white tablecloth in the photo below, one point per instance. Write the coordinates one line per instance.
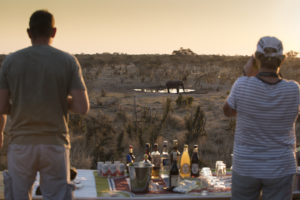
(85, 183)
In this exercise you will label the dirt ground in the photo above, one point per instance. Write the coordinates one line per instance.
(120, 116)
(112, 95)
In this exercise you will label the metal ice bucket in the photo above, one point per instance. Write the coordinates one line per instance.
(140, 175)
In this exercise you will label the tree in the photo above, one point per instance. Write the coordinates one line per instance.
(292, 54)
(183, 51)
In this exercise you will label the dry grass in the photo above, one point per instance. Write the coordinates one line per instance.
(120, 116)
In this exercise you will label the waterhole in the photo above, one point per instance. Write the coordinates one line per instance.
(173, 91)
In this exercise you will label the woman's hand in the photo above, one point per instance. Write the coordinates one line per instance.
(251, 68)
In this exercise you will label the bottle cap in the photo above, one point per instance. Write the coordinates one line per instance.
(195, 146)
(186, 146)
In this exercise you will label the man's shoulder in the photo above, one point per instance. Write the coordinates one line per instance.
(61, 52)
(44, 48)
(16, 54)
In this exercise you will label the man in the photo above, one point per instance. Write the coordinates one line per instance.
(38, 86)
(266, 107)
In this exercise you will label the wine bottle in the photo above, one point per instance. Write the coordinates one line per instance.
(195, 162)
(174, 173)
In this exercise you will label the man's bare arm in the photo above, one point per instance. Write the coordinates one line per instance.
(228, 111)
(2, 126)
(79, 101)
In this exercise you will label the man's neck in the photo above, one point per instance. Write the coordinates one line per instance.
(41, 41)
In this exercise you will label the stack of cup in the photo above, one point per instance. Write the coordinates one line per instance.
(99, 168)
(220, 168)
(110, 169)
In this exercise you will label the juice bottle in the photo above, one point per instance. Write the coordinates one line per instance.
(185, 163)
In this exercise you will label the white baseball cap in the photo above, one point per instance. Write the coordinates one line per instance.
(270, 47)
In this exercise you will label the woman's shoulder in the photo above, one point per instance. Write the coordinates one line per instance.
(290, 83)
(246, 79)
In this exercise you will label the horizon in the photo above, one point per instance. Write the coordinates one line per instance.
(135, 27)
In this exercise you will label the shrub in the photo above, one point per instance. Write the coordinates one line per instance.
(103, 93)
(184, 101)
(195, 124)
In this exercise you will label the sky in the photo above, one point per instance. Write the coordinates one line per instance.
(224, 27)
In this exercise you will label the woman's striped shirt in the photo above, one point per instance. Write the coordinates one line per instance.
(264, 142)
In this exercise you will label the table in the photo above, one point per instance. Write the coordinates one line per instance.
(92, 187)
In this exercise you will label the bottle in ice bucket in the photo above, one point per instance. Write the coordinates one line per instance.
(174, 172)
(185, 163)
(147, 151)
(195, 162)
(130, 158)
(146, 159)
(156, 162)
(165, 159)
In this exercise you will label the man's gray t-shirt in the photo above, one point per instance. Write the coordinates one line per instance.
(39, 79)
(264, 141)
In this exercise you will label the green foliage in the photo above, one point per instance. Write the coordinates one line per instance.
(184, 101)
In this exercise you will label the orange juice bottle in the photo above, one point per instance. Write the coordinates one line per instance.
(185, 163)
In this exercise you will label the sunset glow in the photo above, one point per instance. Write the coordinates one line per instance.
(229, 27)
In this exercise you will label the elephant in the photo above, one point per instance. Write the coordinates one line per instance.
(174, 85)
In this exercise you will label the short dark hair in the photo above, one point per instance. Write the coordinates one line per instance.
(41, 23)
(268, 61)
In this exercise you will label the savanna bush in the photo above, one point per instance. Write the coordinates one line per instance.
(184, 101)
